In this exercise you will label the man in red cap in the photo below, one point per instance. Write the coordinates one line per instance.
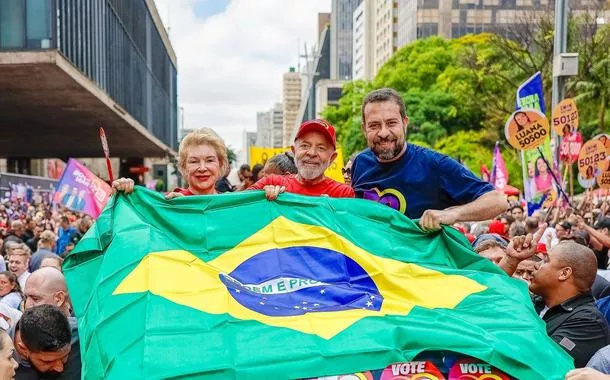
(314, 150)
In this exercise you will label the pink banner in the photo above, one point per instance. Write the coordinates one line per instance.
(81, 190)
(499, 174)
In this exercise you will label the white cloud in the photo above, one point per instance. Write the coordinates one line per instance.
(230, 65)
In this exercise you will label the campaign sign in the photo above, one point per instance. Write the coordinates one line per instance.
(415, 370)
(352, 376)
(473, 369)
(603, 180)
(605, 139)
(80, 190)
(586, 183)
(527, 129)
(565, 117)
(592, 159)
(570, 147)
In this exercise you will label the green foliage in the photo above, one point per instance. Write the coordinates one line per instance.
(231, 156)
(460, 92)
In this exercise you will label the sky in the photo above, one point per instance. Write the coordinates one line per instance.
(232, 54)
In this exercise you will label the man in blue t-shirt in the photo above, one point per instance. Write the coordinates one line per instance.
(417, 181)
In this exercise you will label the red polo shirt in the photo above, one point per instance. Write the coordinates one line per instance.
(328, 186)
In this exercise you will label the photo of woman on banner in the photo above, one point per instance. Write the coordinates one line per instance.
(544, 179)
(567, 130)
(522, 120)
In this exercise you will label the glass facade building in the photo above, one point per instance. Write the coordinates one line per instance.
(341, 38)
(114, 43)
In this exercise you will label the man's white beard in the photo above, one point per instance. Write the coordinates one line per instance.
(311, 173)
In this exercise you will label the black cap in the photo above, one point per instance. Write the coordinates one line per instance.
(602, 223)
(566, 225)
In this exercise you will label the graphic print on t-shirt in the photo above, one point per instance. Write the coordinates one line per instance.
(388, 197)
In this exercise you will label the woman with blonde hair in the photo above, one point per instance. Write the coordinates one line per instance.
(202, 160)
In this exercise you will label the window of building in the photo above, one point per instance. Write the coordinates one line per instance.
(38, 25)
(12, 24)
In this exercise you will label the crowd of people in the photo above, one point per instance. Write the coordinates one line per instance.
(561, 253)
(38, 331)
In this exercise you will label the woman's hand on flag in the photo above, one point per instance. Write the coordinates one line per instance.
(125, 185)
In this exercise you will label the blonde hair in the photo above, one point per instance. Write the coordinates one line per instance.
(47, 237)
(203, 136)
(21, 250)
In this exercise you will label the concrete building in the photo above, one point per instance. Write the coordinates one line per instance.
(70, 67)
(364, 41)
(385, 31)
(270, 127)
(291, 100)
(456, 18)
(249, 139)
(341, 39)
(277, 125)
(328, 92)
(319, 68)
(263, 129)
(323, 21)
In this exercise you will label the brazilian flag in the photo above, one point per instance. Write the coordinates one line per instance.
(237, 287)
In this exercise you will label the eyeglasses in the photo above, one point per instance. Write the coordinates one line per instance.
(347, 171)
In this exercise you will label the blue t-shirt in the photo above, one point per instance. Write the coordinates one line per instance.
(420, 180)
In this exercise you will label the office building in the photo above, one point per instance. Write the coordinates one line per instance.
(364, 41)
(72, 66)
(291, 100)
(341, 39)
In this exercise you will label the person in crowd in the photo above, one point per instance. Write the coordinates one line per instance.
(245, 176)
(563, 230)
(518, 213)
(347, 170)
(8, 364)
(202, 157)
(586, 374)
(66, 231)
(531, 225)
(15, 234)
(432, 187)
(10, 290)
(563, 281)
(52, 262)
(314, 150)
(47, 286)
(28, 231)
(526, 268)
(256, 170)
(223, 185)
(599, 235)
(516, 229)
(280, 164)
(491, 246)
(44, 345)
(18, 263)
(33, 242)
(46, 247)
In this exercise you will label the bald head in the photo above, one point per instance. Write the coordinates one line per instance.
(581, 259)
(47, 286)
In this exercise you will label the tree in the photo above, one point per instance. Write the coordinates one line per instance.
(231, 156)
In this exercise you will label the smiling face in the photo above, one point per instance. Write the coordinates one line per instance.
(18, 264)
(384, 129)
(313, 154)
(202, 169)
(521, 119)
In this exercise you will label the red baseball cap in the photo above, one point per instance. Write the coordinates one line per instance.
(321, 126)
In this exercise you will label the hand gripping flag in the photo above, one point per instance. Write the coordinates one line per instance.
(237, 287)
